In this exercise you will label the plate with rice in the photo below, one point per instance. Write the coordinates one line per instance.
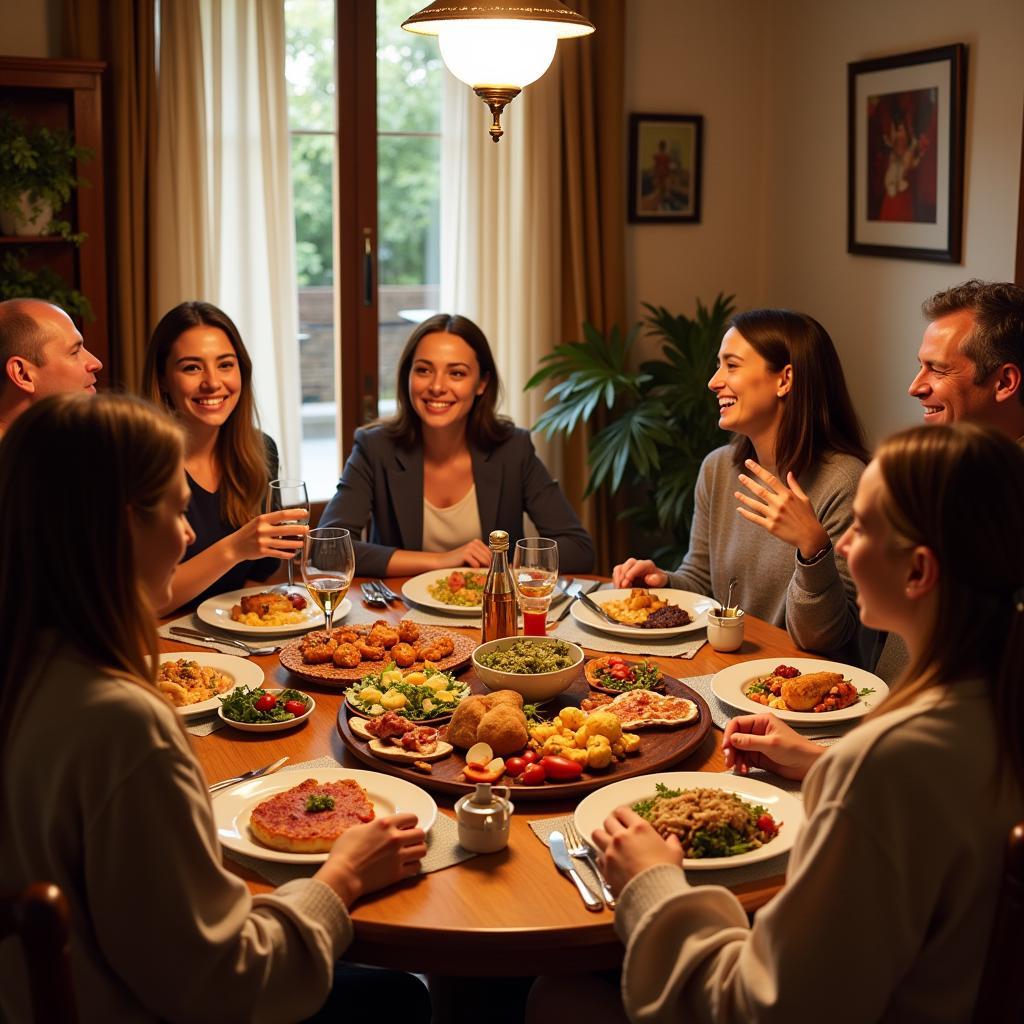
(722, 820)
(454, 591)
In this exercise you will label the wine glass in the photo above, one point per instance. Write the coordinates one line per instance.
(288, 494)
(535, 569)
(328, 565)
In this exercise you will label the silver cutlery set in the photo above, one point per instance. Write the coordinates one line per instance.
(572, 845)
(378, 594)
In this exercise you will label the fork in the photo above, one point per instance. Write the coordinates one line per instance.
(387, 593)
(194, 634)
(577, 847)
(372, 596)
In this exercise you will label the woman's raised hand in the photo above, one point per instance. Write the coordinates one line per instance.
(369, 857)
(764, 741)
(785, 512)
(476, 554)
(638, 571)
(271, 535)
(629, 845)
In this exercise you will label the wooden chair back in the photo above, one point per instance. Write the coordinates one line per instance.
(1001, 997)
(38, 916)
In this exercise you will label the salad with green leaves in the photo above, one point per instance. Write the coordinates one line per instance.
(257, 706)
(418, 695)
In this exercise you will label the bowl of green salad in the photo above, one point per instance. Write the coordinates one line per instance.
(538, 667)
(255, 709)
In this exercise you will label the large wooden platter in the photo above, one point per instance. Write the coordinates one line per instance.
(659, 747)
(331, 675)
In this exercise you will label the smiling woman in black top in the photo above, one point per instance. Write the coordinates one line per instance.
(198, 368)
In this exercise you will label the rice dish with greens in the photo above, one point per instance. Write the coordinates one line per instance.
(462, 589)
(527, 657)
(708, 822)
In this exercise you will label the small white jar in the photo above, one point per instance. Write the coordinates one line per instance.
(725, 632)
(484, 818)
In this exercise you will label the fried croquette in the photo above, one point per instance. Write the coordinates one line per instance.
(344, 635)
(408, 632)
(368, 652)
(382, 635)
(347, 656)
(317, 648)
(403, 654)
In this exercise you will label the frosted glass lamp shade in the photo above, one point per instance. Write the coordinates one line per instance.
(504, 53)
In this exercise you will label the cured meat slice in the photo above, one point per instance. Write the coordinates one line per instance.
(284, 823)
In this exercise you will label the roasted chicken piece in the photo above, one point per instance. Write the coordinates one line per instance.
(804, 692)
(265, 604)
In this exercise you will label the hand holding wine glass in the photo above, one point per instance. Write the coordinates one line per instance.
(288, 494)
(535, 570)
(328, 565)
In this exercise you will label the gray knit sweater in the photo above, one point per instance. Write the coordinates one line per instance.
(815, 601)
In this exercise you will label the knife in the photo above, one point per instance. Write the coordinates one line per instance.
(598, 610)
(255, 773)
(560, 855)
(565, 611)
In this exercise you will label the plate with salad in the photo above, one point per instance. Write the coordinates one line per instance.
(255, 709)
(420, 695)
(616, 675)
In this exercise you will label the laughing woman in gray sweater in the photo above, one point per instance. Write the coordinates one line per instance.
(797, 454)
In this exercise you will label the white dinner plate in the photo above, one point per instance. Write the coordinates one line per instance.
(785, 808)
(216, 611)
(696, 604)
(729, 686)
(417, 591)
(232, 807)
(244, 673)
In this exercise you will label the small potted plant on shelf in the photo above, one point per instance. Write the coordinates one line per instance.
(37, 177)
(19, 282)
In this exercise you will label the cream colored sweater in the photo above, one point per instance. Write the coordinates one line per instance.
(102, 795)
(889, 897)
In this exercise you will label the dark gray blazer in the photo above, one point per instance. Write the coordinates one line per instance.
(382, 485)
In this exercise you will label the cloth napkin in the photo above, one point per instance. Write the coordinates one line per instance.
(542, 828)
(443, 848)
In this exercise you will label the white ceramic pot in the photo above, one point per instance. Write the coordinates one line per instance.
(20, 220)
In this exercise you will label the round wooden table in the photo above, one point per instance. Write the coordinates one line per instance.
(504, 914)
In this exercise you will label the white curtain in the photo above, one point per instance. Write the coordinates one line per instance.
(500, 234)
(224, 174)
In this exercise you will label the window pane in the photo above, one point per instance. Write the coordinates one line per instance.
(309, 64)
(409, 69)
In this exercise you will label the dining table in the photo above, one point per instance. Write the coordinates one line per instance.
(502, 914)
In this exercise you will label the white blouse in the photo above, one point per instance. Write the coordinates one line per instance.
(448, 528)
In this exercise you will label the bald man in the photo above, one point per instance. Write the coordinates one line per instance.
(41, 353)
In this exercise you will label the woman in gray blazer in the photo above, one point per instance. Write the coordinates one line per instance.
(435, 479)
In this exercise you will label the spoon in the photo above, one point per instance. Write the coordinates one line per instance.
(728, 608)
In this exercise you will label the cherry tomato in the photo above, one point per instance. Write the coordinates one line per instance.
(766, 823)
(515, 765)
(295, 707)
(267, 702)
(560, 769)
(533, 775)
(529, 756)
(621, 672)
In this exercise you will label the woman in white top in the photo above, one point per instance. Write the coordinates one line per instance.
(435, 479)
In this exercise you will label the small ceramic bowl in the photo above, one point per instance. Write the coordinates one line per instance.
(534, 687)
(270, 726)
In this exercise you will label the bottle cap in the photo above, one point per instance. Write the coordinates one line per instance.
(498, 540)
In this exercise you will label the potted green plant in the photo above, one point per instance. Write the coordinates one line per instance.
(37, 177)
(659, 421)
(19, 282)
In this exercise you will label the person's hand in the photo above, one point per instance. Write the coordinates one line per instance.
(476, 554)
(629, 845)
(368, 857)
(785, 512)
(642, 569)
(764, 741)
(267, 536)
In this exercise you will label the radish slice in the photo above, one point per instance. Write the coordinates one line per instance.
(479, 754)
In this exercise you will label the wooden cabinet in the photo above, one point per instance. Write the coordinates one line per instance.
(67, 94)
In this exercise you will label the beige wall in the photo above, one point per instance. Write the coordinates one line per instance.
(776, 134)
(29, 28)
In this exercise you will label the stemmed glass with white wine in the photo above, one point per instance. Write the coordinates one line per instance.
(282, 494)
(328, 565)
(535, 570)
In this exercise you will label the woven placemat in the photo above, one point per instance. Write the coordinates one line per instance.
(684, 646)
(191, 621)
(727, 876)
(443, 848)
(204, 725)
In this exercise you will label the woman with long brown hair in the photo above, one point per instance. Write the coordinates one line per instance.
(892, 883)
(446, 470)
(197, 367)
(781, 391)
(99, 789)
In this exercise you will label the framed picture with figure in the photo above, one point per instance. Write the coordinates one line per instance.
(906, 155)
(665, 168)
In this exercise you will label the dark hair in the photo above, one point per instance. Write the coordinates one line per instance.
(958, 490)
(817, 414)
(998, 334)
(111, 453)
(21, 334)
(485, 428)
(241, 451)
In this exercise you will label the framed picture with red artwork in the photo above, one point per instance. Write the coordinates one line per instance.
(906, 155)
(664, 168)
